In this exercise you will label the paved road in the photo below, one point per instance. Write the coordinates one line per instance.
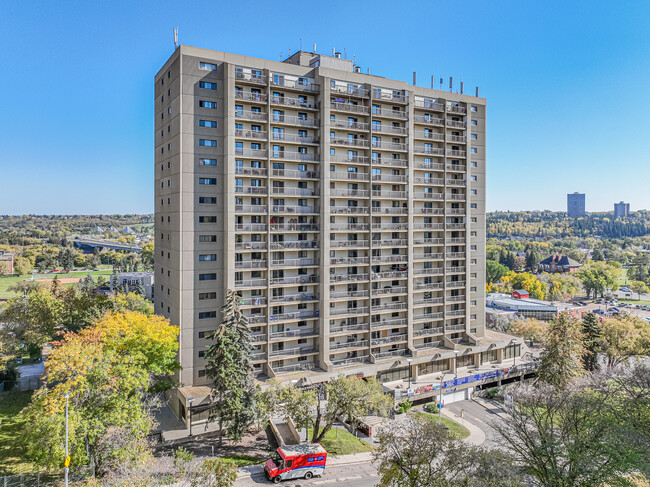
(358, 475)
(480, 417)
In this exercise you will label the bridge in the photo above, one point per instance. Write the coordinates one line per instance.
(88, 244)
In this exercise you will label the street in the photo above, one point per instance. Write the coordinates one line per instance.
(357, 474)
(479, 417)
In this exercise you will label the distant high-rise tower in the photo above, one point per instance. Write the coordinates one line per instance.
(575, 205)
(621, 210)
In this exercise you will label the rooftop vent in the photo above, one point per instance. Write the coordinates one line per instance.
(337, 55)
(357, 69)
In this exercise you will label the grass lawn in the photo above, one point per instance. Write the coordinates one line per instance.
(623, 278)
(8, 281)
(457, 431)
(11, 427)
(243, 460)
(341, 442)
(634, 301)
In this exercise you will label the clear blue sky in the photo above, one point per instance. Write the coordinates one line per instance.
(566, 83)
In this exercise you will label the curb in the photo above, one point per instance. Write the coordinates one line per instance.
(490, 407)
(341, 460)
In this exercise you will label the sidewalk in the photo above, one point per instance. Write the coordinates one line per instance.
(332, 461)
(491, 406)
(476, 434)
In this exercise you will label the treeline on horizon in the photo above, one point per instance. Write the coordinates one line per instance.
(545, 224)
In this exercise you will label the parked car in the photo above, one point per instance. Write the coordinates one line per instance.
(296, 461)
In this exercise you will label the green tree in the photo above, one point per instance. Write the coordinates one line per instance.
(592, 341)
(639, 287)
(561, 359)
(597, 255)
(229, 366)
(597, 277)
(562, 287)
(420, 453)
(624, 337)
(66, 258)
(107, 370)
(494, 271)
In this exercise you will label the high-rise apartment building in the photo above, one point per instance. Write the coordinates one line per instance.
(575, 205)
(347, 210)
(621, 210)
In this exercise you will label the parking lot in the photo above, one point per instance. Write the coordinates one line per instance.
(606, 309)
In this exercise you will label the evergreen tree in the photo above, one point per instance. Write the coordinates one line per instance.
(592, 338)
(139, 289)
(561, 360)
(230, 368)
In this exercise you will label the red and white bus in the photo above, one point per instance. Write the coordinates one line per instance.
(296, 461)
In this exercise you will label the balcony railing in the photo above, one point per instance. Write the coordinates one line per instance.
(353, 176)
(295, 209)
(389, 242)
(363, 327)
(427, 332)
(349, 142)
(253, 301)
(348, 243)
(250, 246)
(348, 159)
(389, 162)
(426, 345)
(387, 291)
(348, 277)
(456, 313)
(293, 102)
(430, 105)
(250, 77)
(342, 362)
(251, 264)
(349, 294)
(439, 122)
(434, 151)
(428, 241)
(292, 351)
(305, 262)
(435, 166)
(428, 226)
(390, 194)
(293, 156)
(250, 134)
(347, 124)
(390, 210)
(251, 190)
(298, 315)
(350, 193)
(430, 136)
(429, 180)
(348, 311)
(432, 271)
(384, 259)
(427, 286)
(295, 84)
(294, 333)
(250, 171)
(349, 260)
(457, 138)
(250, 115)
(245, 95)
(390, 226)
(382, 112)
(429, 211)
(302, 279)
(300, 367)
(428, 196)
(389, 307)
(388, 339)
(352, 210)
(455, 255)
(379, 144)
(289, 298)
(390, 97)
(258, 337)
(429, 256)
(455, 327)
(456, 167)
(293, 227)
(250, 283)
(455, 299)
(250, 152)
(293, 120)
(391, 178)
(352, 227)
(390, 275)
(294, 173)
(295, 191)
(394, 323)
(257, 209)
(455, 284)
(457, 153)
(389, 129)
(350, 90)
(455, 211)
(455, 226)
(301, 139)
(344, 107)
(390, 354)
(456, 109)
(455, 241)
(456, 124)
(342, 345)
(428, 316)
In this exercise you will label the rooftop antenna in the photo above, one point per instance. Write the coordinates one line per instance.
(414, 78)
(461, 87)
(280, 56)
(333, 50)
(301, 43)
(451, 84)
(345, 53)
(289, 52)
(441, 83)
(477, 92)
(354, 59)
(431, 81)
(175, 37)
(314, 48)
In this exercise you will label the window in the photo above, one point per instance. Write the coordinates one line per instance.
(207, 257)
(474, 122)
(473, 191)
(208, 66)
(207, 143)
(207, 219)
(473, 178)
(207, 104)
(207, 200)
(207, 85)
(207, 238)
(473, 220)
(207, 162)
(208, 277)
(211, 181)
(202, 373)
(472, 247)
(473, 164)
(472, 205)
(474, 150)
(205, 297)
(201, 353)
(208, 123)
(207, 314)
(474, 137)
(474, 108)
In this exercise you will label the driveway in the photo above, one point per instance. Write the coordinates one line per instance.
(479, 417)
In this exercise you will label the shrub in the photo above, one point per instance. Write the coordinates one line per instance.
(432, 408)
(492, 392)
(215, 472)
(182, 459)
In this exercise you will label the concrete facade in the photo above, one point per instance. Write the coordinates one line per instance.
(575, 205)
(347, 210)
(621, 210)
(131, 279)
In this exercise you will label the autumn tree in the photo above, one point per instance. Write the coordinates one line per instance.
(107, 371)
(494, 271)
(527, 281)
(639, 287)
(561, 359)
(530, 329)
(597, 277)
(562, 287)
(624, 337)
(230, 367)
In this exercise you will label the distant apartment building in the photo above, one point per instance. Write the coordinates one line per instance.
(347, 210)
(575, 205)
(621, 210)
(6, 262)
(129, 281)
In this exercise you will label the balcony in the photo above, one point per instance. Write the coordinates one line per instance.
(456, 109)
(301, 279)
(345, 107)
(429, 180)
(350, 142)
(390, 162)
(390, 226)
(350, 176)
(257, 153)
(426, 332)
(455, 255)
(391, 354)
(347, 124)
(253, 301)
(351, 227)
(250, 264)
(293, 227)
(348, 210)
(391, 210)
(251, 190)
(348, 311)
(294, 173)
(429, 211)
(278, 118)
(361, 327)
(343, 362)
(388, 339)
(348, 243)
(383, 112)
(350, 90)
(256, 319)
(457, 138)
(378, 144)
(348, 294)
(387, 259)
(428, 256)
(432, 271)
(348, 159)
(389, 129)
(393, 323)
(298, 84)
(429, 105)
(427, 301)
(428, 226)
(455, 299)
(289, 101)
(250, 77)
(434, 151)
(344, 345)
(455, 284)
(390, 178)
(250, 115)
(295, 209)
(390, 194)
(456, 167)
(428, 241)
(293, 333)
(455, 211)
(428, 345)
(427, 317)
(455, 327)
(435, 166)
(348, 260)
(304, 262)
(390, 275)
(258, 356)
(250, 134)
(430, 136)
(250, 283)
(250, 246)
(455, 241)
(284, 137)
(427, 196)
(298, 315)
(456, 124)
(294, 156)
(457, 153)
(423, 119)
(389, 291)
(256, 209)
(389, 242)
(258, 337)
(350, 193)
(251, 171)
(295, 191)
(348, 277)
(299, 367)
(291, 298)
(454, 314)
(427, 286)
(292, 351)
(247, 96)
(455, 226)
(391, 306)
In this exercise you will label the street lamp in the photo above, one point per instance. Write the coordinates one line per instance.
(410, 370)
(190, 401)
(67, 396)
(442, 380)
